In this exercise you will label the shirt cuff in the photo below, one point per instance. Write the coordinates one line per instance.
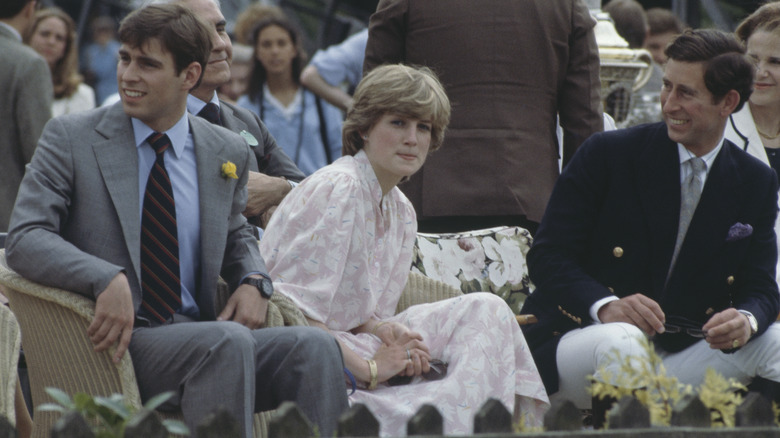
(594, 309)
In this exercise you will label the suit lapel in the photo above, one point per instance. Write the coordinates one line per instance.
(117, 158)
(216, 196)
(658, 183)
(230, 121)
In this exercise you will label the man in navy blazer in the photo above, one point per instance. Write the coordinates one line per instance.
(602, 260)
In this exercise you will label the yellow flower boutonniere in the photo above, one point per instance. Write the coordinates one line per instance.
(229, 170)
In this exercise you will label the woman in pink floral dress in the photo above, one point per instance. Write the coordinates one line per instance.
(340, 246)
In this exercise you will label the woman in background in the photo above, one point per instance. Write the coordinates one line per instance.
(53, 36)
(340, 247)
(308, 129)
(756, 127)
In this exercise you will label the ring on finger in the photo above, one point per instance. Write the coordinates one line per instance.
(408, 354)
(735, 343)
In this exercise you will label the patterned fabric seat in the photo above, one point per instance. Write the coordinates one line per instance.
(489, 260)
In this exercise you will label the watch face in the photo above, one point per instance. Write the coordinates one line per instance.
(267, 288)
(263, 285)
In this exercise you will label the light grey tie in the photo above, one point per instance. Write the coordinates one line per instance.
(691, 191)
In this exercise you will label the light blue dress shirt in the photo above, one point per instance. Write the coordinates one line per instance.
(297, 128)
(343, 62)
(182, 168)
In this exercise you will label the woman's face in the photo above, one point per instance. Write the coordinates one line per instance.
(763, 49)
(275, 50)
(49, 39)
(397, 147)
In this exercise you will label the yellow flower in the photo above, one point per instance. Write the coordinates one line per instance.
(229, 170)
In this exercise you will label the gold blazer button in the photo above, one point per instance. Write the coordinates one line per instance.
(617, 252)
(730, 280)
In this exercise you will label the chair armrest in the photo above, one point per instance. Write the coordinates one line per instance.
(58, 351)
(283, 312)
(9, 356)
(421, 289)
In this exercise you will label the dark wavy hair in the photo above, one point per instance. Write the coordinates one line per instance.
(65, 73)
(259, 75)
(725, 66)
(11, 8)
(178, 30)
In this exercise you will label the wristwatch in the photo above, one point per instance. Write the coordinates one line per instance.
(751, 320)
(264, 285)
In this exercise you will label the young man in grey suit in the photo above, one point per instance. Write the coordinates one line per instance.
(25, 102)
(271, 180)
(138, 206)
(663, 231)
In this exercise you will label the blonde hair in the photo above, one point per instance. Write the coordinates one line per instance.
(396, 89)
(65, 72)
(766, 18)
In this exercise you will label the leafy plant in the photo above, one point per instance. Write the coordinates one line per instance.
(107, 416)
(646, 379)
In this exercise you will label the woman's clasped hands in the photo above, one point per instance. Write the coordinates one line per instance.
(402, 352)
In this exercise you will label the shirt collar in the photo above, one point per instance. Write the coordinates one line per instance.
(367, 172)
(177, 134)
(708, 158)
(194, 105)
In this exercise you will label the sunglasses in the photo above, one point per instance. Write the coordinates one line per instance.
(678, 324)
(438, 371)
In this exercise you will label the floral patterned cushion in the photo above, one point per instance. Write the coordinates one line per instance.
(491, 260)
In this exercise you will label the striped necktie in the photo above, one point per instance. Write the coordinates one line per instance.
(160, 276)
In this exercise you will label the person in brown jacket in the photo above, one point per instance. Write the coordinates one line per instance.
(510, 67)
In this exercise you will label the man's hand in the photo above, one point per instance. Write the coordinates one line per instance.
(266, 217)
(246, 306)
(114, 317)
(636, 309)
(264, 192)
(725, 327)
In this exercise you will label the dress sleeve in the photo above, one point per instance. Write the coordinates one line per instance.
(402, 237)
(307, 242)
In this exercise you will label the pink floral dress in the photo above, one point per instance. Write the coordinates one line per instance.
(342, 253)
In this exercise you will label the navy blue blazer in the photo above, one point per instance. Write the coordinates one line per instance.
(611, 225)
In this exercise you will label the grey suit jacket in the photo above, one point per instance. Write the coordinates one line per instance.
(509, 66)
(25, 106)
(76, 222)
(271, 159)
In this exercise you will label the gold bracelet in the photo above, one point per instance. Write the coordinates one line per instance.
(372, 371)
(376, 327)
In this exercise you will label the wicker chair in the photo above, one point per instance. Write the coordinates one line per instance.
(9, 355)
(59, 353)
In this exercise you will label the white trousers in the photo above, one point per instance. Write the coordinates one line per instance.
(583, 351)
